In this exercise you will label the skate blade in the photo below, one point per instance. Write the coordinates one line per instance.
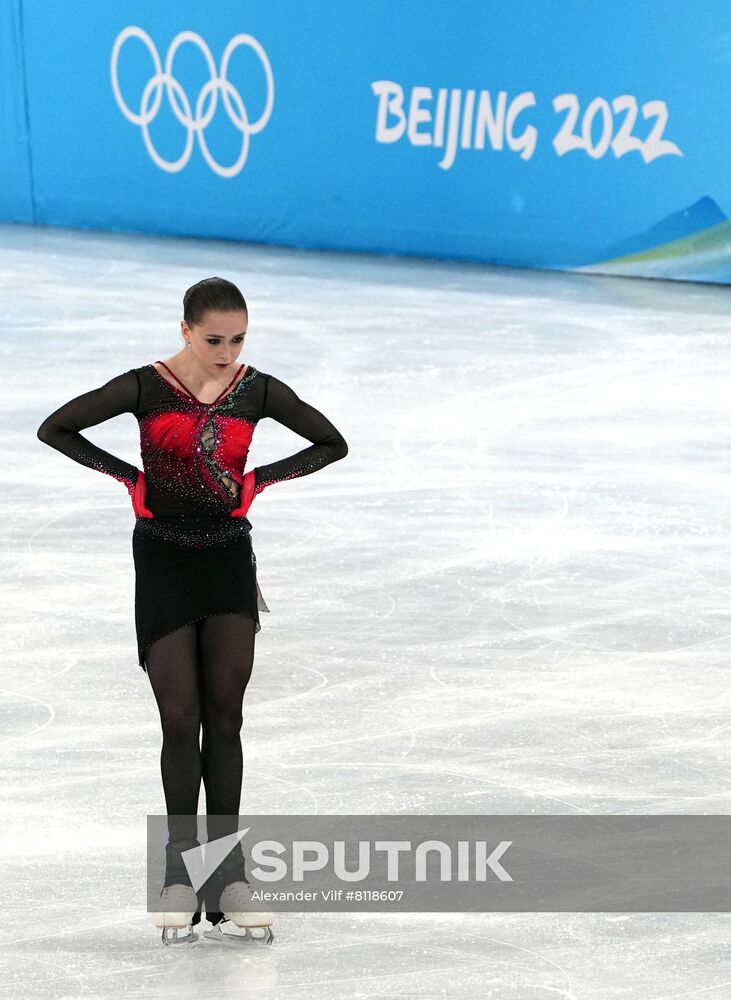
(241, 937)
(171, 936)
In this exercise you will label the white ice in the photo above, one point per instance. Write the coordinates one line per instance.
(512, 596)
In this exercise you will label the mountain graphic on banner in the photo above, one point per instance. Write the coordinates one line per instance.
(694, 242)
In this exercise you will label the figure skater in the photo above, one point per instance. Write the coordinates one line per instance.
(197, 600)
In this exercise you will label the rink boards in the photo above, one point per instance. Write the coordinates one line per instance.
(579, 137)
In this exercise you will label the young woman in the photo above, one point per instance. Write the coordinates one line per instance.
(197, 600)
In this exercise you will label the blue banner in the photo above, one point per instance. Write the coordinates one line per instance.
(571, 136)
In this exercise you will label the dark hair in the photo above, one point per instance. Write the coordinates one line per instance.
(211, 293)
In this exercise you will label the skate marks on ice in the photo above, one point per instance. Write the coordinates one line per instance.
(515, 599)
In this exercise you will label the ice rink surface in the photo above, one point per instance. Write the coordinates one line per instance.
(512, 596)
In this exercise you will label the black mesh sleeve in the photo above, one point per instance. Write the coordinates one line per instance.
(328, 444)
(61, 428)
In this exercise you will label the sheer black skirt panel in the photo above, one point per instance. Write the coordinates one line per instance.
(186, 571)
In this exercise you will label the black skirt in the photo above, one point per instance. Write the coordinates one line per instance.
(190, 567)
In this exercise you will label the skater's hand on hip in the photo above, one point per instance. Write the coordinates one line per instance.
(246, 495)
(139, 495)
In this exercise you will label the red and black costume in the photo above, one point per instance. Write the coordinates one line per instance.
(191, 541)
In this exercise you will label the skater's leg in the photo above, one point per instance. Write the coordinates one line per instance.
(173, 671)
(226, 656)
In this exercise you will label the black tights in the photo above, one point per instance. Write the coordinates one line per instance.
(198, 675)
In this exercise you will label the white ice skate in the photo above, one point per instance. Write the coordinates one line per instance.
(245, 924)
(181, 903)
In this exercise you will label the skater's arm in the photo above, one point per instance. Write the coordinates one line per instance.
(61, 428)
(328, 444)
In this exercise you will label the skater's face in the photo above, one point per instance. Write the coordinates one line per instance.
(217, 340)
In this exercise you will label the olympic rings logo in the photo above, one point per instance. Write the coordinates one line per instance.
(181, 106)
